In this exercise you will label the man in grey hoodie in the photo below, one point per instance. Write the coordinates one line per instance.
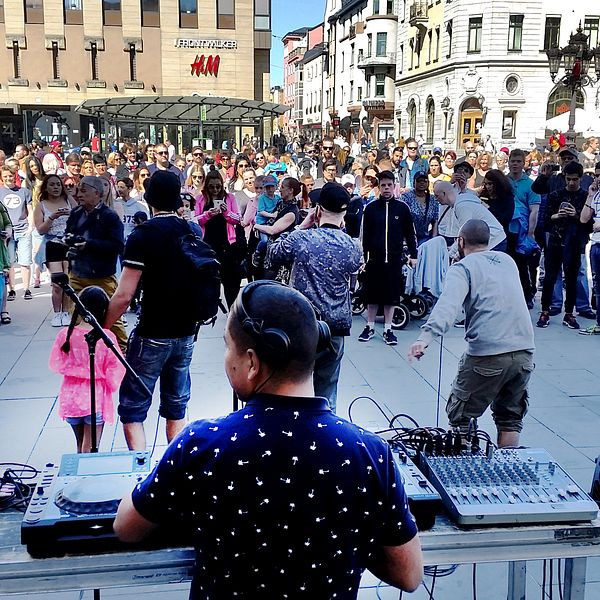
(497, 366)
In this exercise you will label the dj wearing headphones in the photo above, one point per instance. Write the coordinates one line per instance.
(282, 498)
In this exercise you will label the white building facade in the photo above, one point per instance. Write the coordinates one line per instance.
(468, 69)
(313, 65)
(361, 39)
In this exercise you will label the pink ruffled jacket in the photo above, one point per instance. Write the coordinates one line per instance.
(74, 395)
(231, 215)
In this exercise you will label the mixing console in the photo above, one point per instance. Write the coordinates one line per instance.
(513, 486)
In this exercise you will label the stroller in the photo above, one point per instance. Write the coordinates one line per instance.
(423, 285)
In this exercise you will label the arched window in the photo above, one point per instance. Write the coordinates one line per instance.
(430, 119)
(412, 119)
(559, 102)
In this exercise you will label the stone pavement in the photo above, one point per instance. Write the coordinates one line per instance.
(564, 415)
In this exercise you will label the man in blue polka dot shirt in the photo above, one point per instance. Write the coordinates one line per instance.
(282, 499)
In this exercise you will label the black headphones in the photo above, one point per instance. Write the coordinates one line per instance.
(272, 343)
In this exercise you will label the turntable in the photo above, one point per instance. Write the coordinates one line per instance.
(73, 506)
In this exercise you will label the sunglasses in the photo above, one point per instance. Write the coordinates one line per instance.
(242, 166)
(260, 158)
(162, 153)
(197, 177)
(327, 147)
(310, 152)
(198, 154)
(413, 147)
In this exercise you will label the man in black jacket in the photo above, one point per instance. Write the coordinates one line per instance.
(94, 260)
(565, 242)
(387, 225)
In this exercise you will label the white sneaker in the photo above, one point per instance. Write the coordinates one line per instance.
(66, 319)
(57, 320)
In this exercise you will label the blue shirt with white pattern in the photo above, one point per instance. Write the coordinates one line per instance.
(283, 500)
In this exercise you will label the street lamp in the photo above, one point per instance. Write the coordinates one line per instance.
(576, 59)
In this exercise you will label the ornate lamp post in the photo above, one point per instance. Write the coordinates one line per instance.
(576, 59)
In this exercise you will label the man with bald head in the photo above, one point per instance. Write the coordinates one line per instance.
(468, 206)
(495, 369)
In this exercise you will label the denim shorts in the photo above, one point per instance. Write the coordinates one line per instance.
(20, 249)
(87, 420)
(151, 358)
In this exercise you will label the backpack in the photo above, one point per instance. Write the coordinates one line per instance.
(205, 291)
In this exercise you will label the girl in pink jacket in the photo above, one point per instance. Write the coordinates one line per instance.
(69, 357)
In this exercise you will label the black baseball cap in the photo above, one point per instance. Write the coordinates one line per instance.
(334, 198)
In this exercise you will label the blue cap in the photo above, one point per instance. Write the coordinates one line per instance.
(269, 180)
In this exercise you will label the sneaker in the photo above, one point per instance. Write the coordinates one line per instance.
(544, 319)
(11, 295)
(367, 334)
(389, 338)
(587, 314)
(555, 311)
(570, 321)
(592, 330)
(459, 323)
(27, 295)
(65, 319)
(57, 320)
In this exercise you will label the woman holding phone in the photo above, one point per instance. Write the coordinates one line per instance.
(50, 219)
(219, 219)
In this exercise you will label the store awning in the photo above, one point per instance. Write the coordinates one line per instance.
(177, 109)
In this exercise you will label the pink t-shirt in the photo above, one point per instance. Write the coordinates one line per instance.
(74, 395)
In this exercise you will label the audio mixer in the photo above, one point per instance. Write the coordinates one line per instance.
(513, 486)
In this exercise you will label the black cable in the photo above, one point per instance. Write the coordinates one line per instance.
(387, 417)
(16, 493)
(391, 423)
(474, 581)
(433, 583)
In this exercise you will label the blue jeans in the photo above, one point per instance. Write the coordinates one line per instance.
(152, 358)
(595, 264)
(327, 370)
(582, 299)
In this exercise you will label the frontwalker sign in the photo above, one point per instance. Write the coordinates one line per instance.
(216, 44)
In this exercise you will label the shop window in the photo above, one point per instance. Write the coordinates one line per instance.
(150, 13)
(73, 12)
(111, 12)
(188, 14)
(225, 14)
(34, 11)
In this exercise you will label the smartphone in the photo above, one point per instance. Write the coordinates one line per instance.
(220, 203)
(555, 168)
(565, 205)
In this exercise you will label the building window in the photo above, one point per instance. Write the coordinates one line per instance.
(509, 124)
(262, 14)
(150, 13)
(342, 62)
(55, 69)
(73, 12)
(375, 7)
(412, 119)
(94, 60)
(359, 93)
(429, 45)
(590, 28)
(379, 85)
(1, 11)
(552, 33)
(418, 44)
(381, 48)
(352, 91)
(390, 7)
(16, 60)
(449, 34)
(368, 86)
(515, 33)
(111, 11)
(475, 27)
(132, 63)
(412, 54)
(34, 11)
(188, 14)
(351, 55)
(559, 101)
(401, 59)
(369, 44)
(430, 119)
(225, 14)
(437, 44)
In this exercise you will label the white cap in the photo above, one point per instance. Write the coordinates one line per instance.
(347, 178)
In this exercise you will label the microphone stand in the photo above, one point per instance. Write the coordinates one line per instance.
(91, 338)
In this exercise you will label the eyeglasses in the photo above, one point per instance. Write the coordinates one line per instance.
(242, 165)
(144, 175)
(197, 177)
(224, 158)
(198, 154)
(162, 153)
(310, 152)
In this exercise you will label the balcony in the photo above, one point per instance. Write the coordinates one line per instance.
(296, 53)
(386, 59)
(419, 15)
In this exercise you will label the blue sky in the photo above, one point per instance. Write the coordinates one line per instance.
(287, 16)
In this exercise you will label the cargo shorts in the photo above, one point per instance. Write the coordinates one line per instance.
(499, 381)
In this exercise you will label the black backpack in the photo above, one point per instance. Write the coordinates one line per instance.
(205, 288)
